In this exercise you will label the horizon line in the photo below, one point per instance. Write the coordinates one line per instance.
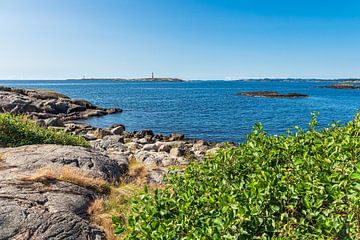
(189, 79)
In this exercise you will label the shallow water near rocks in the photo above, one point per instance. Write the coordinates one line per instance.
(207, 110)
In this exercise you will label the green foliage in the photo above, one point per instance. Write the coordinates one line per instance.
(18, 131)
(305, 185)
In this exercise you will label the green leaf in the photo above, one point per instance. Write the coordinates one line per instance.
(355, 176)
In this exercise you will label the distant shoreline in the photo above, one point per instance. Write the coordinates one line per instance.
(134, 79)
(353, 80)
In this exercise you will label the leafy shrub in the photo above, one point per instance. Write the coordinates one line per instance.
(18, 131)
(304, 185)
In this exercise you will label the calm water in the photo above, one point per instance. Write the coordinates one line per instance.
(207, 109)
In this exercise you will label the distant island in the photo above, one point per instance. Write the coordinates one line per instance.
(341, 86)
(150, 79)
(352, 80)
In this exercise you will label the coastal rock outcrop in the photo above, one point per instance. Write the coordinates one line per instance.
(45, 191)
(270, 94)
(44, 104)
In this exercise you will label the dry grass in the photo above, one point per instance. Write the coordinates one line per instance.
(137, 173)
(68, 174)
(118, 201)
(99, 217)
(116, 204)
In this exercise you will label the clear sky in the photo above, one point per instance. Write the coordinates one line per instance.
(190, 39)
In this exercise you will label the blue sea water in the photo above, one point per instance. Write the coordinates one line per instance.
(207, 109)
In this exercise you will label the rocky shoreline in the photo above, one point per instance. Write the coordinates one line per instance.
(40, 197)
(45, 104)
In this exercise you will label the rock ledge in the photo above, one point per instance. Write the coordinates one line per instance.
(50, 208)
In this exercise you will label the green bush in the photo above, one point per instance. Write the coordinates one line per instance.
(305, 185)
(18, 131)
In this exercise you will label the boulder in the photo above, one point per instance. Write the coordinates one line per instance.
(88, 136)
(200, 146)
(143, 140)
(150, 147)
(172, 144)
(143, 133)
(54, 121)
(101, 133)
(117, 130)
(176, 137)
(149, 158)
(164, 148)
(133, 146)
(177, 152)
(114, 138)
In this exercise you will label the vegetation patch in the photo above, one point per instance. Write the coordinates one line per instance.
(305, 185)
(19, 130)
(113, 211)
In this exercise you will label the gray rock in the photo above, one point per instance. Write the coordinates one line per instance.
(54, 121)
(149, 158)
(176, 137)
(94, 113)
(50, 209)
(114, 138)
(76, 108)
(118, 156)
(173, 144)
(156, 176)
(200, 146)
(89, 136)
(177, 152)
(164, 148)
(101, 133)
(143, 133)
(117, 129)
(150, 147)
(143, 141)
(133, 146)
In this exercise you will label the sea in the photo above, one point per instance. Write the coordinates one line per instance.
(208, 110)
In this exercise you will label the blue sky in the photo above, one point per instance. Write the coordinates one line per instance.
(202, 39)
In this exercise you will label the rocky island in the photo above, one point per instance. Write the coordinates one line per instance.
(341, 86)
(53, 191)
(269, 94)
